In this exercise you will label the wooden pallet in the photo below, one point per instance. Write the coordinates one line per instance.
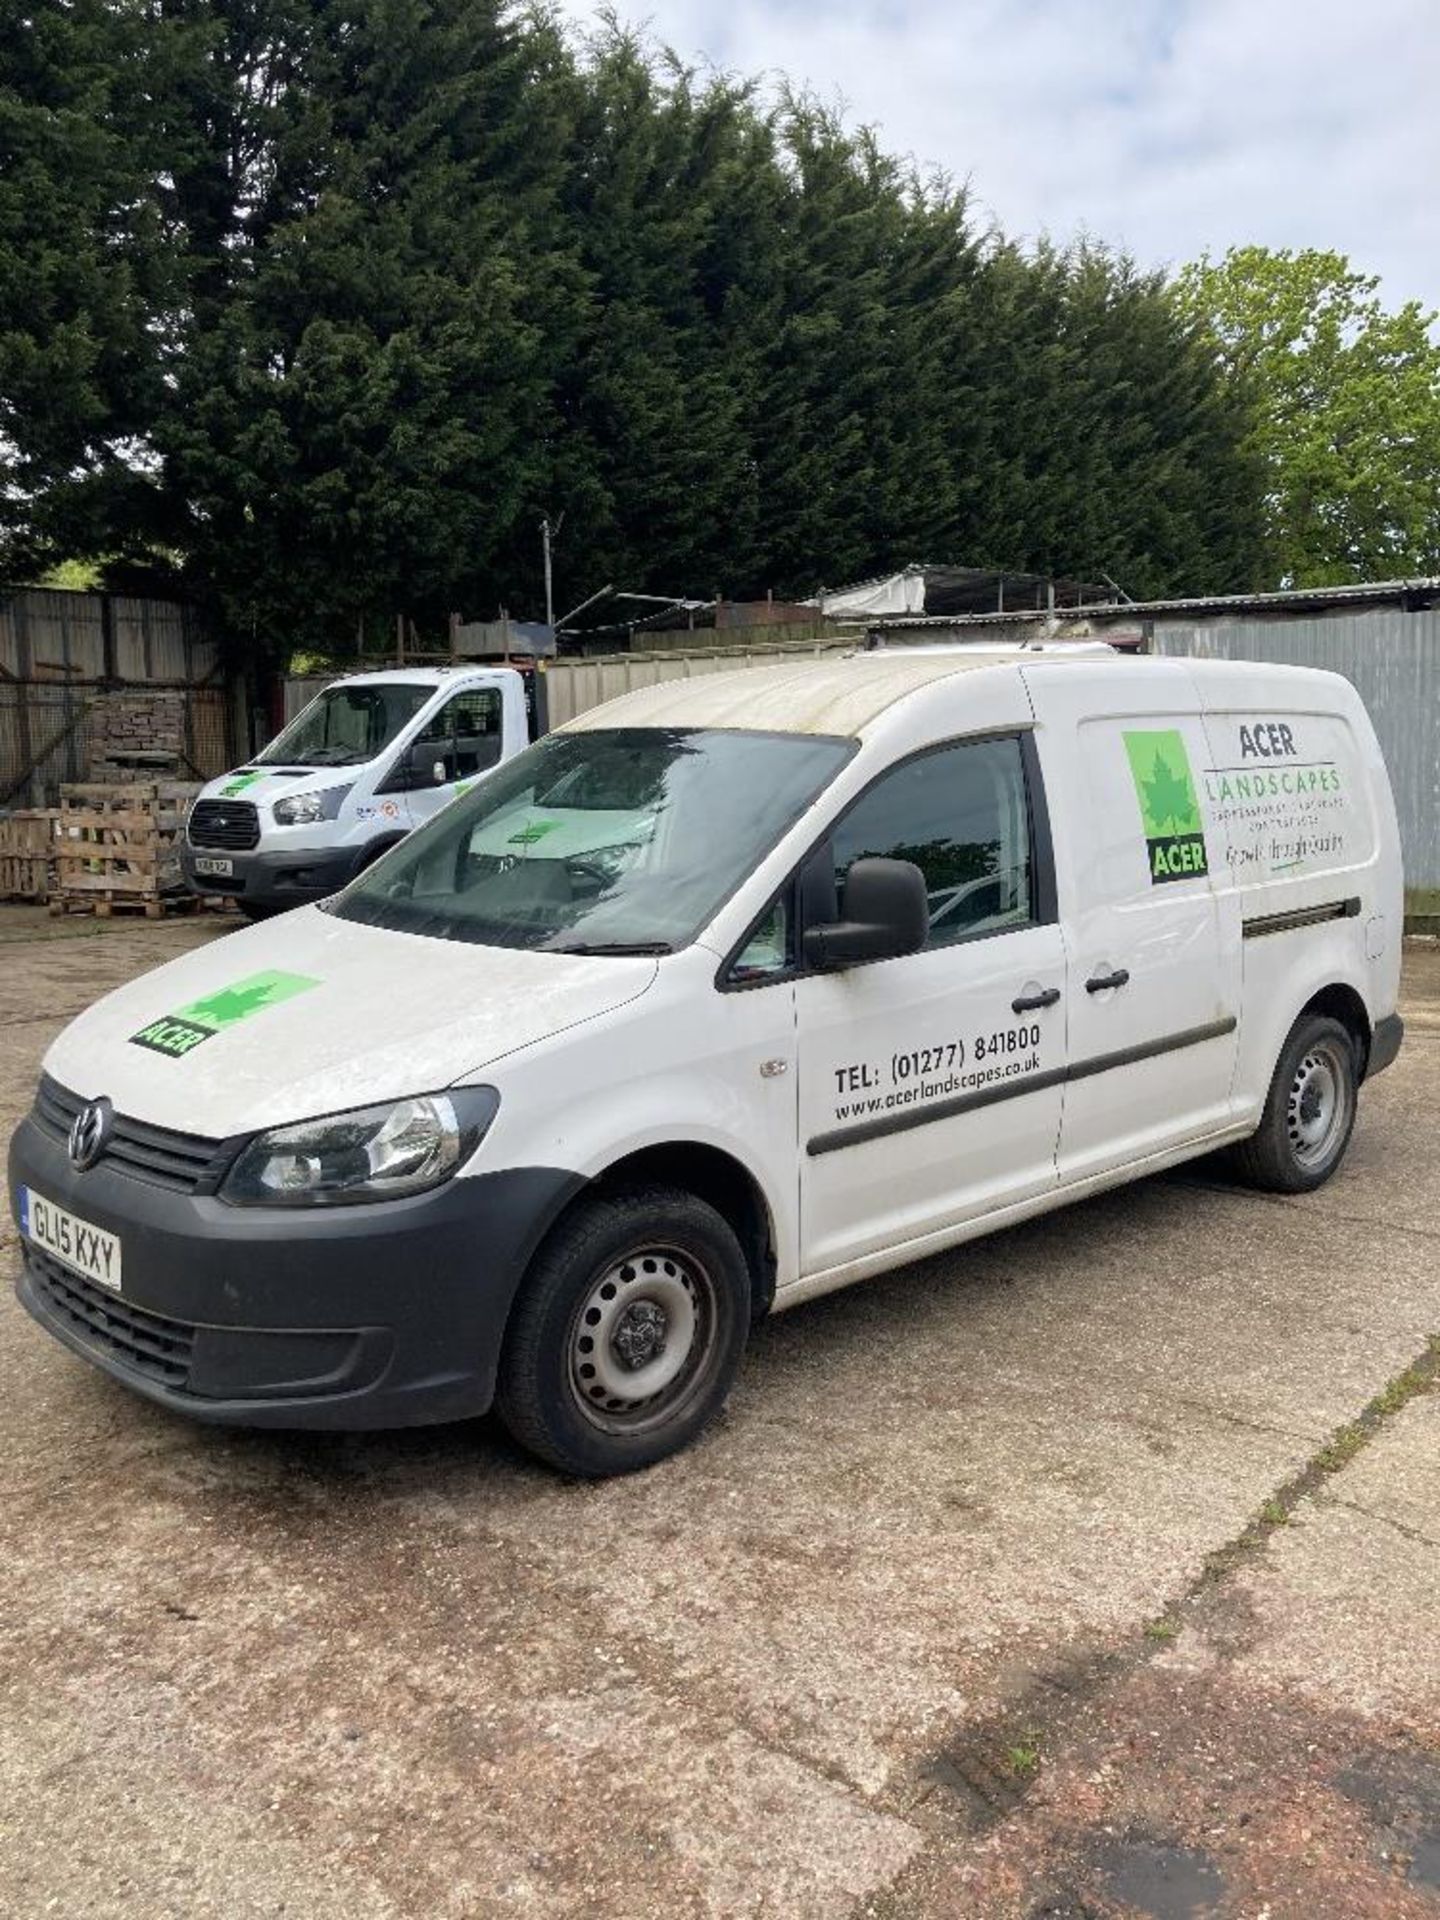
(115, 847)
(103, 905)
(166, 906)
(27, 844)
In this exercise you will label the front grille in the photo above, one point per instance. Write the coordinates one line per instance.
(224, 823)
(143, 1342)
(180, 1162)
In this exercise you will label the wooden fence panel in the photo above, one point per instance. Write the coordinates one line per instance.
(86, 676)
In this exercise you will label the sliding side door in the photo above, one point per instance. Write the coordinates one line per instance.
(1153, 992)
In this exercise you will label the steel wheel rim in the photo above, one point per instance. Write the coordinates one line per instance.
(641, 1339)
(1317, 1111)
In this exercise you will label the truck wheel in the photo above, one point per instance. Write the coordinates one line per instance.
(1309, 1111)
(369, 855)
(257, 909)
(627, 1333)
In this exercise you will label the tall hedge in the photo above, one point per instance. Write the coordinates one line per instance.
(313, 306)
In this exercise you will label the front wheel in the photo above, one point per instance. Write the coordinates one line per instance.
(627, 1334)
(1309, 1111)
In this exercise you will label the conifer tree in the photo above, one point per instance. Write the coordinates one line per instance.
(315, 306)
(362, 421)
(87, 275)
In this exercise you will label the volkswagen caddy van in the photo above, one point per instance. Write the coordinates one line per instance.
(731, 992)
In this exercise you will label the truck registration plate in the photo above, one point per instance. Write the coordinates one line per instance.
(214, 868)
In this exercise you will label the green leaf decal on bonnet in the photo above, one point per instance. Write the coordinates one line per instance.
(243, 997)
(231, 1003)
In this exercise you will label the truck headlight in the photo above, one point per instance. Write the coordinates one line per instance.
(304, 809)
(371, 1153)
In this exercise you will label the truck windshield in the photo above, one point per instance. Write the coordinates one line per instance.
(616, 841)
(345, 725)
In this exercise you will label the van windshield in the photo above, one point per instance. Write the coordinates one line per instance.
(345, 725)
(616, 841)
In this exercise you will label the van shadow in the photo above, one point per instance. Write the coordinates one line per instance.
(838, 1368)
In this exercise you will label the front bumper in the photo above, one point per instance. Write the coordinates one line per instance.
(379, 1315)
(286, 879)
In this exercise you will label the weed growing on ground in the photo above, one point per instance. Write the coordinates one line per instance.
(1023, 1759)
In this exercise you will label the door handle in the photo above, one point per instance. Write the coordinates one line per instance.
(1032, 1002)
(1102, 982)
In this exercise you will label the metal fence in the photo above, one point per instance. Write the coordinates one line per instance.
(575, 685)
(743, 627)
(90, 680)
(1392, 657)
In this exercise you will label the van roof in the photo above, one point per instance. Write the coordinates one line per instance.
(839, 697)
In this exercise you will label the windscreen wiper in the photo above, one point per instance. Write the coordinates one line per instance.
(614, 947)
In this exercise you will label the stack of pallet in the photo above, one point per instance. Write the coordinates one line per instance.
(116, 848)
(27, 843)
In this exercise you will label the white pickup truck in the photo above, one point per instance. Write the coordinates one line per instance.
(369, 758)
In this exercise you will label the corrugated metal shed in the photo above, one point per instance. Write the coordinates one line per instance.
(1383, 635)
(1393, 658)
(1409, 595)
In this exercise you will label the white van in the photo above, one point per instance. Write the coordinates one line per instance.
(370, 758)
(731, 992)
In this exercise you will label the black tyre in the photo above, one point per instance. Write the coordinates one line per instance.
(257, 909)
(1309, 1111)
(627, 1333)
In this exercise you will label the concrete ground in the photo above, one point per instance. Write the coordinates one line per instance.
(1093, 1570)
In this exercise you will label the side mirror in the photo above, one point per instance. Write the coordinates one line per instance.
(884, 912)
(424, 765)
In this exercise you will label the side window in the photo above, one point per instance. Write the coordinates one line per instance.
(467, 730)
(768, 950)
(962, 816)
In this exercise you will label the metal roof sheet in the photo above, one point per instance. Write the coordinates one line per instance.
(1379, 592)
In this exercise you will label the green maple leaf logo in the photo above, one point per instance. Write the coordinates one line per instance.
(533, 831)
(1168, 799)
(230, 1004)
(244, 997)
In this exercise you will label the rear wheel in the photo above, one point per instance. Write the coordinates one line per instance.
(1309, 1112)
(627, 1334)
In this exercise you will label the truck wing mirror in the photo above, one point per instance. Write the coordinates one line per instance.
(421, 764)
(424, 764)
(884, 912)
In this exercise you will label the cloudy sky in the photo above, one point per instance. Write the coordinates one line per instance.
(1167, 126)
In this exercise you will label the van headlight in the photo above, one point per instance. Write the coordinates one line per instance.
(304, 809)
(372, 1153)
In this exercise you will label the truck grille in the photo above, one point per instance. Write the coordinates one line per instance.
(144, 1342)
(224, 823)
(180, 1162)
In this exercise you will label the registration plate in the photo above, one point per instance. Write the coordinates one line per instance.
(214, 869)
(89, 1250)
